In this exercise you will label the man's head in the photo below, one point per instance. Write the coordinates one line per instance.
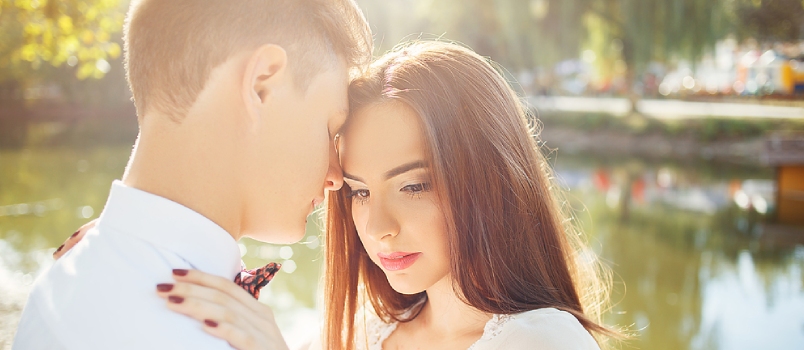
(265, 81)
(173, 46)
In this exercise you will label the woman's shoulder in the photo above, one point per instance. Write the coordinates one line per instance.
(546, 328)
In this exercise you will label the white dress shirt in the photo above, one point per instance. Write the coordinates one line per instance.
(102, 293)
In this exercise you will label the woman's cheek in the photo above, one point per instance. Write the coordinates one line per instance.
(360, 218)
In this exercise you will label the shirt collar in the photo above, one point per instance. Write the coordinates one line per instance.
(169, 225)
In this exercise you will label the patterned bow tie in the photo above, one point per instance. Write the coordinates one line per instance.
(253, 280)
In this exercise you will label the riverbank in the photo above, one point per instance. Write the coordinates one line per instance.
(716, 139)
(730, 130)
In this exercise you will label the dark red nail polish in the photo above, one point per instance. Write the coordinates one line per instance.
(75, 234)
(164, 287)
(59, 249)
(180, 272)
(211, 323)
(176, 300)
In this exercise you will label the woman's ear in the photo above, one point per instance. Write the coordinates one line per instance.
(266, 71)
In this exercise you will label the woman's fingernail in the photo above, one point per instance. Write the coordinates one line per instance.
(59, 249)
(180, 272)
(164, 287)
(75, 234)
(176, 300)
(211, 323)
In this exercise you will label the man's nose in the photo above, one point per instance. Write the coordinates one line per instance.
(334, 179)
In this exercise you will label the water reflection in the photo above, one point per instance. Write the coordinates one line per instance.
(696, 266)
(694, 270)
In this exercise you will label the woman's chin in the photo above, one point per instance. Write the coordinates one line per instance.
(404, 287)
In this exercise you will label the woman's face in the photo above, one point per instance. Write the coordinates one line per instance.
(396, 211)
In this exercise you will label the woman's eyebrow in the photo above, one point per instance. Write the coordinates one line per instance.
(352, 177)
(418, 164)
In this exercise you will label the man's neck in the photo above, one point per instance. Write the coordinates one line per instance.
(174, 162)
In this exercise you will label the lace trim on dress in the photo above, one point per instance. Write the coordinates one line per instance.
(493, 328)
(378, 331)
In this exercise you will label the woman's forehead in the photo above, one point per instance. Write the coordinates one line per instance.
(381, 135)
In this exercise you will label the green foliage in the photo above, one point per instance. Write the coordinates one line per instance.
(78, 33)
(624, 35)
(639, 31)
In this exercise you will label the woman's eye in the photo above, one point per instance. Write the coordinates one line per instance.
(359, 196)
(416, 188)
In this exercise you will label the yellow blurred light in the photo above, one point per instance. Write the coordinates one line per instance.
(66, 24)
(113, 50)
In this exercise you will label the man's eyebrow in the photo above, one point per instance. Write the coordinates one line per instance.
(405, 168)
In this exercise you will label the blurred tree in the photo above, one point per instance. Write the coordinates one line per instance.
(626, 35)
(771, 20)
(475, 23)
(76, 32)
(516, 33)
(392, 21)
(44, 45)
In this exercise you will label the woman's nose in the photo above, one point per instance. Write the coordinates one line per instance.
(381, 222)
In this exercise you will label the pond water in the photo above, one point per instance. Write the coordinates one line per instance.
(694, 264)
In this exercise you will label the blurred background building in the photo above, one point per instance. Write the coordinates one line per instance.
(675, 127)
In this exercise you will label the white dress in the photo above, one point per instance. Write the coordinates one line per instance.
(547, 329)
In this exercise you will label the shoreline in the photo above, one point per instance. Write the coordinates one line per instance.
(566, 140)
(730, 140)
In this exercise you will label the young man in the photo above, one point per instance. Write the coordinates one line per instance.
(238, 103)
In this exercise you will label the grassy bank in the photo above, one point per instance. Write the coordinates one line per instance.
(719, 139)
(701, 129)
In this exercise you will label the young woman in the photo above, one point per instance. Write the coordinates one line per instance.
(448, 230)
(448, 233)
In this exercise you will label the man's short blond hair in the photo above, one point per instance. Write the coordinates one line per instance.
(173, 45)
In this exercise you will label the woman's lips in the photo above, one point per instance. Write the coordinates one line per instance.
(398, 260)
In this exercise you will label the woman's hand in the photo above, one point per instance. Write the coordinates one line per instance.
(72, 240)
(225, 309)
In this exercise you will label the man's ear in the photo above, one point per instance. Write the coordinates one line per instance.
(265, 72)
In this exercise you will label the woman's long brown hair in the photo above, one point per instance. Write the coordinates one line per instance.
(512, 249)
